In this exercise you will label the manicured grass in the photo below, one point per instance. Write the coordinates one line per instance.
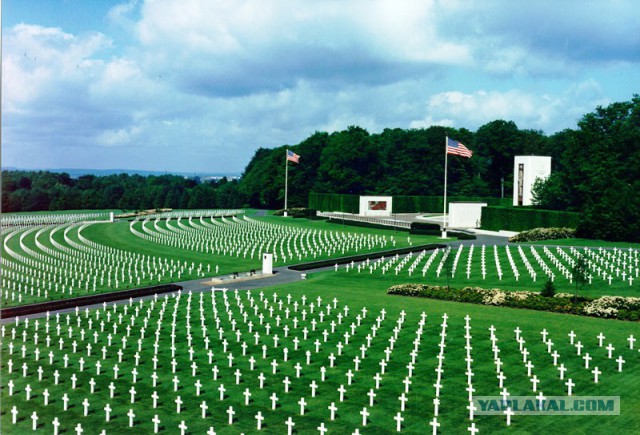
(355, 292)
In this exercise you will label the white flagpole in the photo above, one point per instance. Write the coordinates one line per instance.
(286, 179)
(444, 211)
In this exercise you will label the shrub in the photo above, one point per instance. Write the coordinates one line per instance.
(298, 212)
(619, 307)
(537, 234)
(525, 218)
(549, 289)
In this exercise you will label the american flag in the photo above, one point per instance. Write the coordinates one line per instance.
(293, 157)
(455, 147)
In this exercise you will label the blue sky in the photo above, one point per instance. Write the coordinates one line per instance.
(199, 85)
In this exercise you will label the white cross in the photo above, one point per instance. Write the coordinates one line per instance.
(562, 369)
(364, 413)
(34, 420)
(620, 361)
(178, 403)
(572, 336)
(204, 407)
(289, 422)
(230, 413)
(342, 390)
(56, 425)
(156, 422)
(473, 429)
(274, 400)
(259, 417)
(107, 412)
(508, 412)
(596, 372)
(472, 408)
(322, 429)
(131, 416)
(631, 340)
(600, 338)
(183, 427)
(247, 396)
(302, 404)
(610, 350)
(435, 425)
(333, 408)
(570, 384)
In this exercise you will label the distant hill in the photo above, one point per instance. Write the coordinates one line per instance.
(75, 173)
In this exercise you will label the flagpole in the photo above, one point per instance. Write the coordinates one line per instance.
(444, 211)
(286, 179)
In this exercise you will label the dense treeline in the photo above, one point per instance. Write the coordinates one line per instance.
(394, 162)
(595, 170)
(34, 191)
(600, 173)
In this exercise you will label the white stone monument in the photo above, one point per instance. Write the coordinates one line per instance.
(375, 205)
(526, 170)
(111, 217)
(267, 264)
(465, 214)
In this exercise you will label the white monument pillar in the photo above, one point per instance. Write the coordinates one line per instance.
(111, 217)
(267, 264)
(526, 170)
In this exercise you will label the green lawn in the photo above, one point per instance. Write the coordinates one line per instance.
(353, 291)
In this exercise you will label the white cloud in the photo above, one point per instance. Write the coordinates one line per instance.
(546, 112)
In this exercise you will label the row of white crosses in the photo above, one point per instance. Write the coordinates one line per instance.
(118, 378)
(606, 262)
(439, 371)
(27, 220)
(113, 328)
(65, 269)
(249, 238)
(628, 270)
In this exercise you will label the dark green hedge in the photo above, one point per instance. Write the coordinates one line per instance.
(525, 218)
(434, 204)
(334, 202)
(427, 228)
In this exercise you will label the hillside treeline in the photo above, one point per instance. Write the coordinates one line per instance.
(35, 191)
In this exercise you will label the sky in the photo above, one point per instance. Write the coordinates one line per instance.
(199, 85)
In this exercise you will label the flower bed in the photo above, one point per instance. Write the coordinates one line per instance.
(537, 234)
(615, 307)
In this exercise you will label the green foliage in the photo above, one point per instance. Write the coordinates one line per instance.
(42, 191)
(523, 218)
(538, 234)
(606, 306)
(334, 202)
(549, 289)
(425, 228)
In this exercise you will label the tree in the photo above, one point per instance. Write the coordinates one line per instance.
(580, 274)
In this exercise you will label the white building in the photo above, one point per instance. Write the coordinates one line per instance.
(465, 214)
(526, 170)
(375, 205)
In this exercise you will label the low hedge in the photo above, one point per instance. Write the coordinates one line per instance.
(525, 218)
(615, 307)
(538, 234)
(298, 212)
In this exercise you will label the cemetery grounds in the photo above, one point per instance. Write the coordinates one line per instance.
(330, 353)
